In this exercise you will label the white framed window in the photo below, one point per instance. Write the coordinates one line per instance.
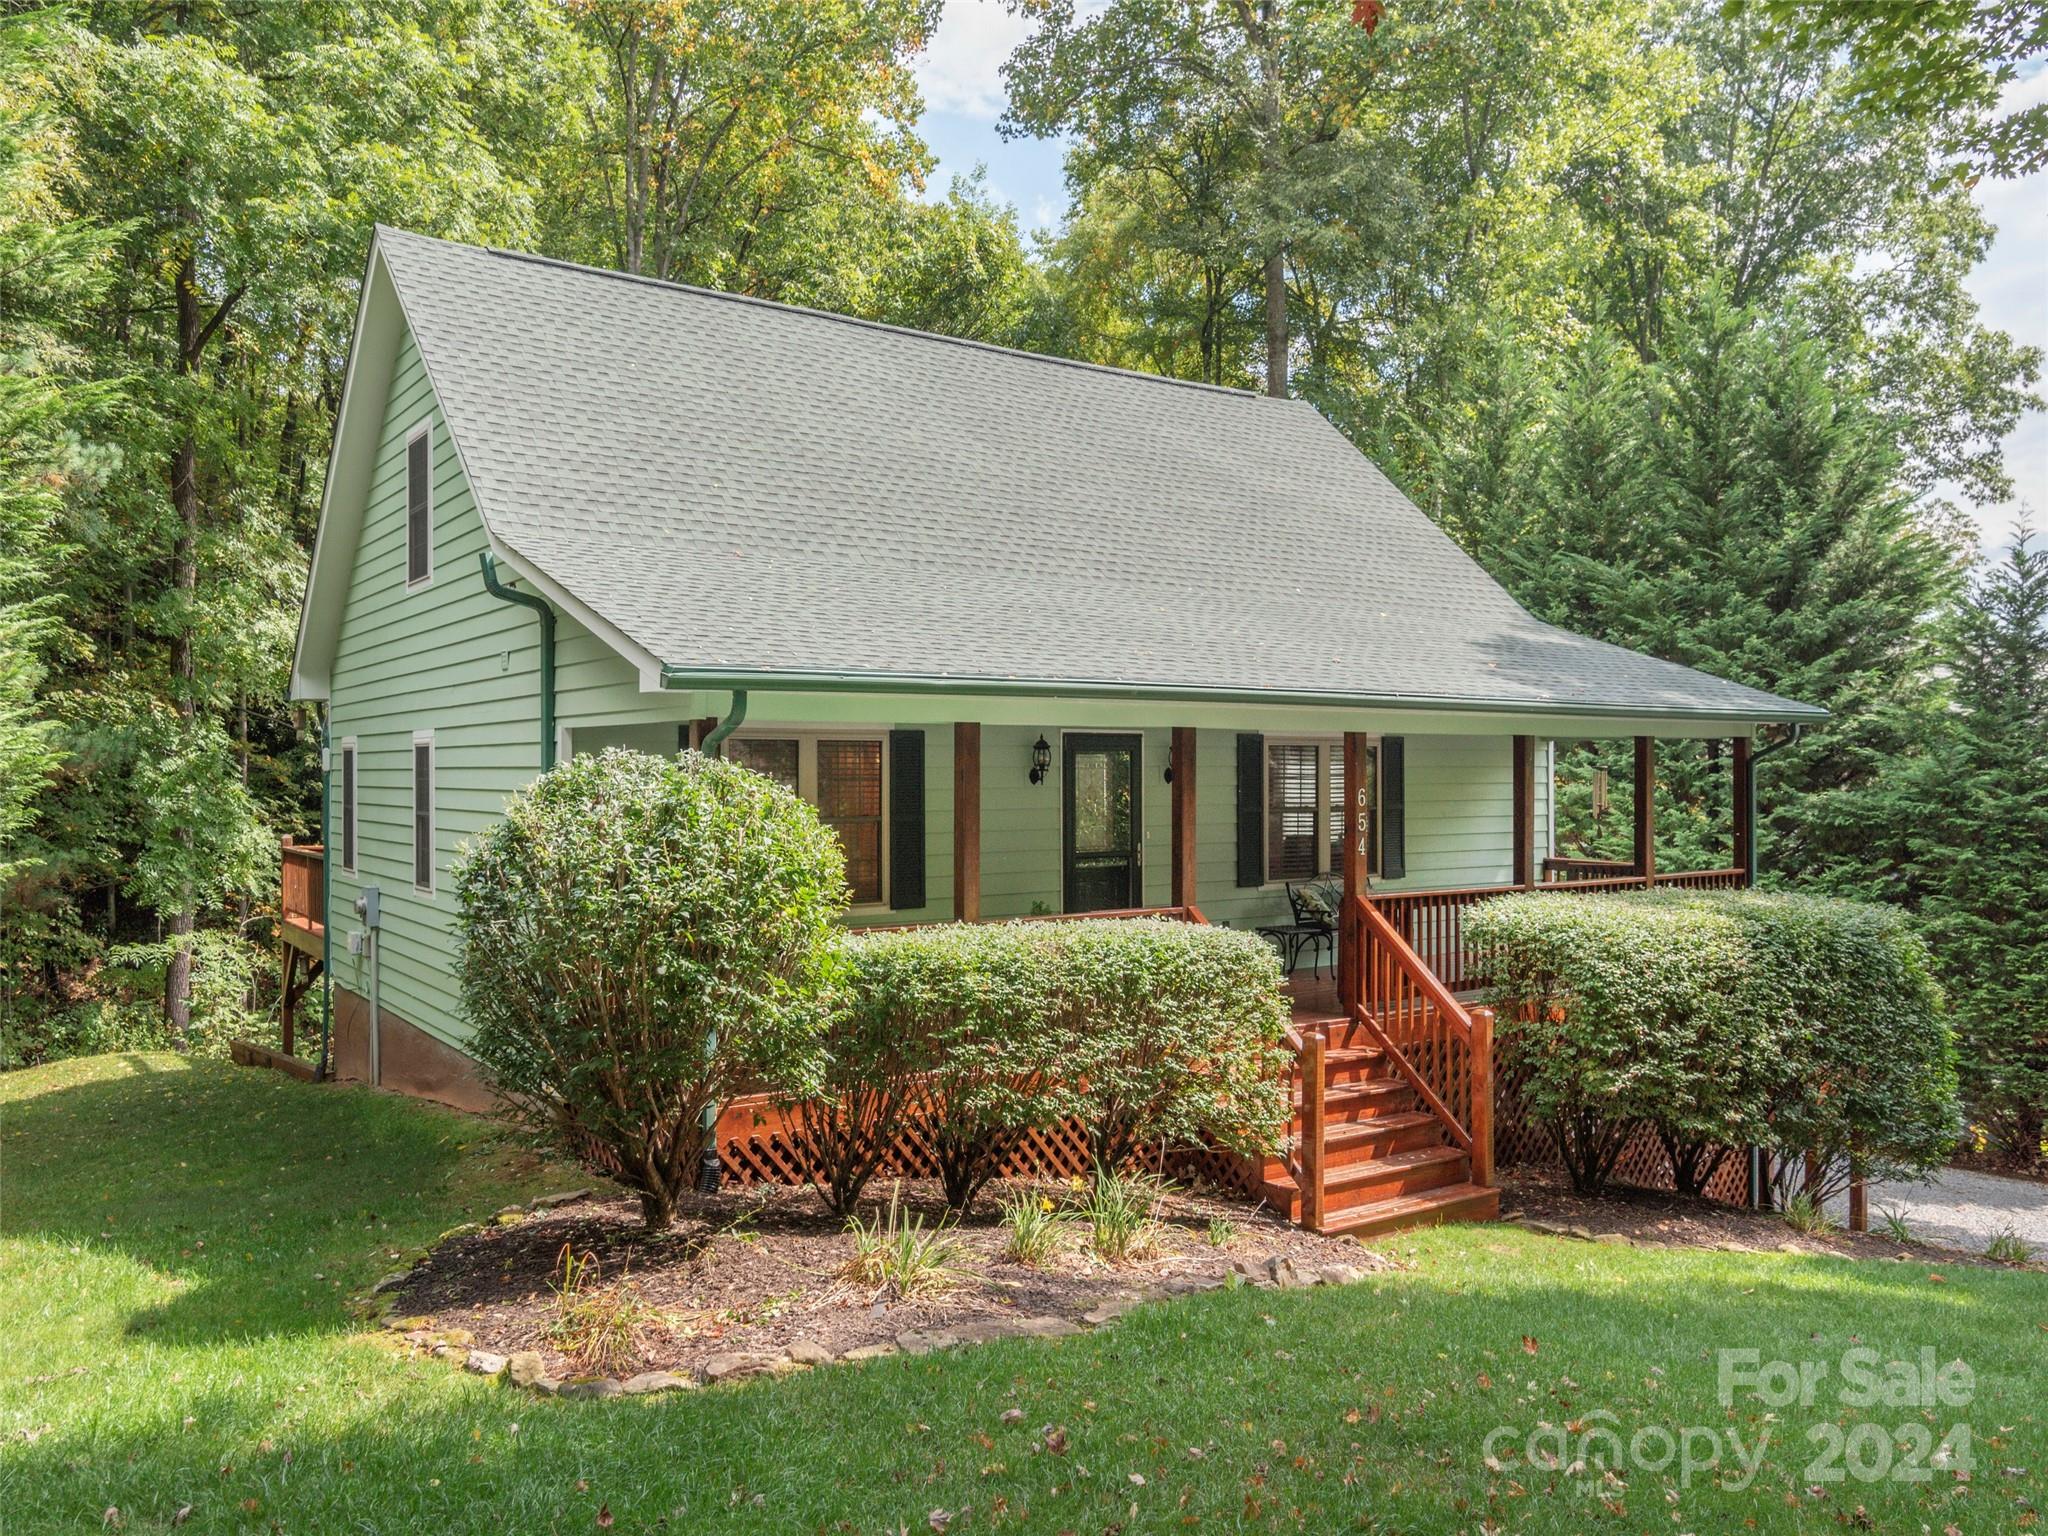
(419, 506)
(348, 805)
(423, 812)
(1305, 808)
(845, 774)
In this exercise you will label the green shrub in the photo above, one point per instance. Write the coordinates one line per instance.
(642, 938)
(1867, 1080)
(1720, 1018)
(957, 1018)
(1143, 1031)
(1620, 1014)
(1169, 1034)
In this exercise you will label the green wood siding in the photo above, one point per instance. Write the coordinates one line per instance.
(444, 657)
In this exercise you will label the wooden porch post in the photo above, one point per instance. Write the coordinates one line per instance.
(1480, 1115)
(966, 821)
(1646, 809)
(1357, 829)
(1183, 761)
(1744, 857)
(1525, 810)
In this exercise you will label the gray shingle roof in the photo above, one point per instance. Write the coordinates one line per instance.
(738, 485)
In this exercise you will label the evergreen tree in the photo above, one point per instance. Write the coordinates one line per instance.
(1968, 823)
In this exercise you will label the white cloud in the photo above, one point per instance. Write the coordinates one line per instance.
(961, 68)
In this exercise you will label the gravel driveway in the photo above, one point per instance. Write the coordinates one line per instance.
(1962, 1209)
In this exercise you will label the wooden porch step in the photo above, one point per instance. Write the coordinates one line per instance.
(1363, 1179)
(1380, 1136)
(1357, 1100)
(1449, 1202)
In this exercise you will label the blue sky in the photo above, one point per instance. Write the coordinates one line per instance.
(963, 89)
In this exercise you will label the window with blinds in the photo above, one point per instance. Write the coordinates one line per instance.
(419, 508)
(348, 805)
(1305, 810)
(842, 777)
(849, 801)
(423, 812)
(1293, 810)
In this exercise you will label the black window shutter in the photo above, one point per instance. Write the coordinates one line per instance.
(1251, 808)
(1393, 808)
(906, 820)
(416, 509)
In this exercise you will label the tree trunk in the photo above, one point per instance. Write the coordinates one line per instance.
(1276, 324)
(184, 683)
(184, 675)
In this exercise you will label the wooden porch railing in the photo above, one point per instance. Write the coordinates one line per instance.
(1433, 922)
(1443, 1048)
(1182, 914)
(299, 887)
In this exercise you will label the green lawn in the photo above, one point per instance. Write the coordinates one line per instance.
(179, 1237)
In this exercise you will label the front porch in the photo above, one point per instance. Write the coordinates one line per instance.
(1392, 1058)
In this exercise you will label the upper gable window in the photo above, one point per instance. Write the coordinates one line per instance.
(419, 507)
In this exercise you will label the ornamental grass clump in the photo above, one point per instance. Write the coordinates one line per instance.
(1035, 1229)
(641, 939)
(897, 1252)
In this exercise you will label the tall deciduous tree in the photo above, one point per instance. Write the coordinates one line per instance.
(1248, 112)
(728, 133)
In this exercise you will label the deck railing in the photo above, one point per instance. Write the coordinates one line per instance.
(1433, 922)
(299, 888)
(1182, 914)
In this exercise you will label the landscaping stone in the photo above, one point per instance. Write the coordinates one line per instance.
(485, 1363)
(1253, 1271)
(737, 1363)
(1621, 1239)
(1288, 1275)
(592, 1386)
(1046, 1328)
(869, 1352)
(566, 1197)
(1109, 1311)
(810, 1352)
(397, 1277)
(460, 1338)
(922, 1341)
(1342, 1274)
(526, 1367)
(656, 1381)
(408, 1324)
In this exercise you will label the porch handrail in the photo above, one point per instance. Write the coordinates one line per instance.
(1442, 1048)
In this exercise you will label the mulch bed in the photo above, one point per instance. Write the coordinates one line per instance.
(754, 1272)
(1543, 1197)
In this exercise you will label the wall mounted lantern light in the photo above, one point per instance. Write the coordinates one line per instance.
(1041, 760)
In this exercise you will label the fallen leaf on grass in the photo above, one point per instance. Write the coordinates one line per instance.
(604, 1517)
(1528, 1344)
